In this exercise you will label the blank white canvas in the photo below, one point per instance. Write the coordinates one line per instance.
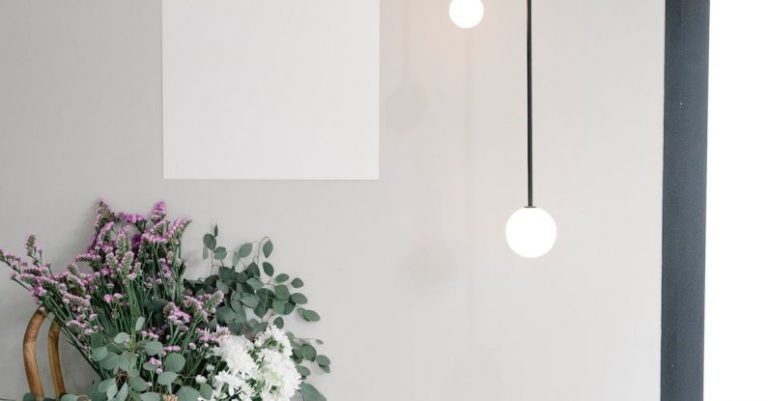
(736, 336)
(265, 89)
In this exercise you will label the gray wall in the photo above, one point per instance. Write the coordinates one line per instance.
(421, 299)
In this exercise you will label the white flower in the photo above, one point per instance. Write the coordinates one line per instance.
(235, 351)
(262, 369)
(278, 336)
(235, 387)
(278, 372)
(199, 379)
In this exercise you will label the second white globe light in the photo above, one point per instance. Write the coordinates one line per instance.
(466, 13)
(531, 232)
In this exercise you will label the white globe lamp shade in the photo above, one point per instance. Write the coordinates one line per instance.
(466, 13)
(531, 232)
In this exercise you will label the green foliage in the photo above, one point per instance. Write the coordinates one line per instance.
(255, 296)
(310, 393)
(174, 363)
(122, 360)
(187, 393)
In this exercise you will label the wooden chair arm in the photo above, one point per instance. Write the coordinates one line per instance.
(29, 352)
(53, 358)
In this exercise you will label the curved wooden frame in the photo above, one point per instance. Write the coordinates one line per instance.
(29, 351)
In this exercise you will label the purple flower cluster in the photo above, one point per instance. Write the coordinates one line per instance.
(135, 264)
(176, 316)
(66, 294)
(203, 306)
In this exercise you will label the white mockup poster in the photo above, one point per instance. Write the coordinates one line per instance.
(258, 89)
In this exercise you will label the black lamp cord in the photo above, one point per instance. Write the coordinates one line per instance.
(530, 113)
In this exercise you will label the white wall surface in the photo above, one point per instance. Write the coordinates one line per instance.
(420, 296)
(737, 275)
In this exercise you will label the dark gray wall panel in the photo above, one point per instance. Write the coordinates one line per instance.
(684, 210)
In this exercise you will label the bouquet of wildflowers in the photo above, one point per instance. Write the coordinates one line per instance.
(149, 333)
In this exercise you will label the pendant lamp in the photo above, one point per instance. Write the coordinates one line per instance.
(531, 232)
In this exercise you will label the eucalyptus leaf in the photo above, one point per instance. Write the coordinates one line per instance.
(278, 306)
(250, 301)
(260, 310)
(268, 248)
(236, 305)
(110, 362)
(149, 367)
(258, 327)
(227, 275)
(166, 378)
(150, 397)
(253, 269)
(240, 316)
(323, 360)
(127, 361)
(139, 323)
(303, 370)
(122, 394)
(187, 393)
(220, 253)
(281, 278)
(174, 362)
(245, 250)
(282, 292)
(138, 384)
(254, 283)
(105, 385)
(225, 314)
(99, 354)
(95, 395)
(299, 298)
(112, 391)
(153, 348)
(297, 283)
(269, 270)
(308, 352)
(122, 338)
(97, 340)
(209, 241)
(222, 286)
(206, 391)
(310, 393)
(309, 315)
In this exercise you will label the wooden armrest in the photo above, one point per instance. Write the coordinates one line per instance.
(29, 352)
